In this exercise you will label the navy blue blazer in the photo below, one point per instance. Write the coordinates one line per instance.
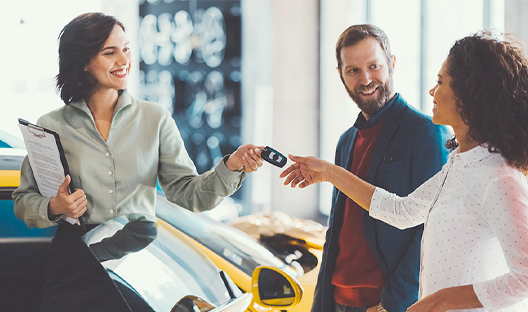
(409, 151)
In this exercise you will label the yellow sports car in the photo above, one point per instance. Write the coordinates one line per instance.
(239, 254)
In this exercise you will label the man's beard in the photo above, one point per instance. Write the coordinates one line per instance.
(372, 106)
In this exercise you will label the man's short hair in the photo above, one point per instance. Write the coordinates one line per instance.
(357, 33)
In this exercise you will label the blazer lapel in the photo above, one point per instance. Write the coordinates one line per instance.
(391, 125)
(345, 162)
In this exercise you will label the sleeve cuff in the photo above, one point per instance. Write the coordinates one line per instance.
(227, 175)
(377, 197)
(483, 295)
(43, 214)
(493, 300)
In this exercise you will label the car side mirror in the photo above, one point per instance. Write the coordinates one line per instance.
(272, 287)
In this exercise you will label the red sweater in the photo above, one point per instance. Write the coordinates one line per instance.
(357, 276)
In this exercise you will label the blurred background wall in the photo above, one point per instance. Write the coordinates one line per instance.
(246, 71)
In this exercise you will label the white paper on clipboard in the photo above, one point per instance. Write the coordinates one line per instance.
(45, 160)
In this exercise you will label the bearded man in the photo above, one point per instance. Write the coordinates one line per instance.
(367, 264)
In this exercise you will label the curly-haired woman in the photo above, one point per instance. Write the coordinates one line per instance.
(475, 210)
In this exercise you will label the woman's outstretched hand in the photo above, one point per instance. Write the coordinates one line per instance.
(309, 170)
(305, 171)
(246, 158)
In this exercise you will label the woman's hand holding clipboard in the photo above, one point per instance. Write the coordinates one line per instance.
(48, 163)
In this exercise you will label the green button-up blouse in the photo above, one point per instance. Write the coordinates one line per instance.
(119, 176)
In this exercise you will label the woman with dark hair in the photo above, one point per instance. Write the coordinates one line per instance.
(475, 210)
(117, 148)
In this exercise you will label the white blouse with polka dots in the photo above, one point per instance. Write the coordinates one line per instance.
(475, 212)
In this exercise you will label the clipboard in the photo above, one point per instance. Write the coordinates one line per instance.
(44, 177)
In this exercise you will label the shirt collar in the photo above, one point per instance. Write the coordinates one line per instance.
(123, 101)
(361, 122)
(473, 155)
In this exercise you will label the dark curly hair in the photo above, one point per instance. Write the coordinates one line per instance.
(79, 43)
(489, 78)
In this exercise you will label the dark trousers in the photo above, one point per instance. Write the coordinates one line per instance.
(74, 278)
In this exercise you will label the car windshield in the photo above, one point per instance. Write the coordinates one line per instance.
(165, 271)
(233, 245)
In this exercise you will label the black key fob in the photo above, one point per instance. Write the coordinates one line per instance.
(273, 157)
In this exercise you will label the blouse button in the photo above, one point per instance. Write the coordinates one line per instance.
(110, 191)
(111, 210)
(107, 154)
(109, 172)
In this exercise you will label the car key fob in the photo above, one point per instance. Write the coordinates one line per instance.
(273, 157)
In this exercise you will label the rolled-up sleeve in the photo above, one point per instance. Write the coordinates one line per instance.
(507, 216)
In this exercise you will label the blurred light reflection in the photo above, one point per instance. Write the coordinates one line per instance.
(188, 67)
